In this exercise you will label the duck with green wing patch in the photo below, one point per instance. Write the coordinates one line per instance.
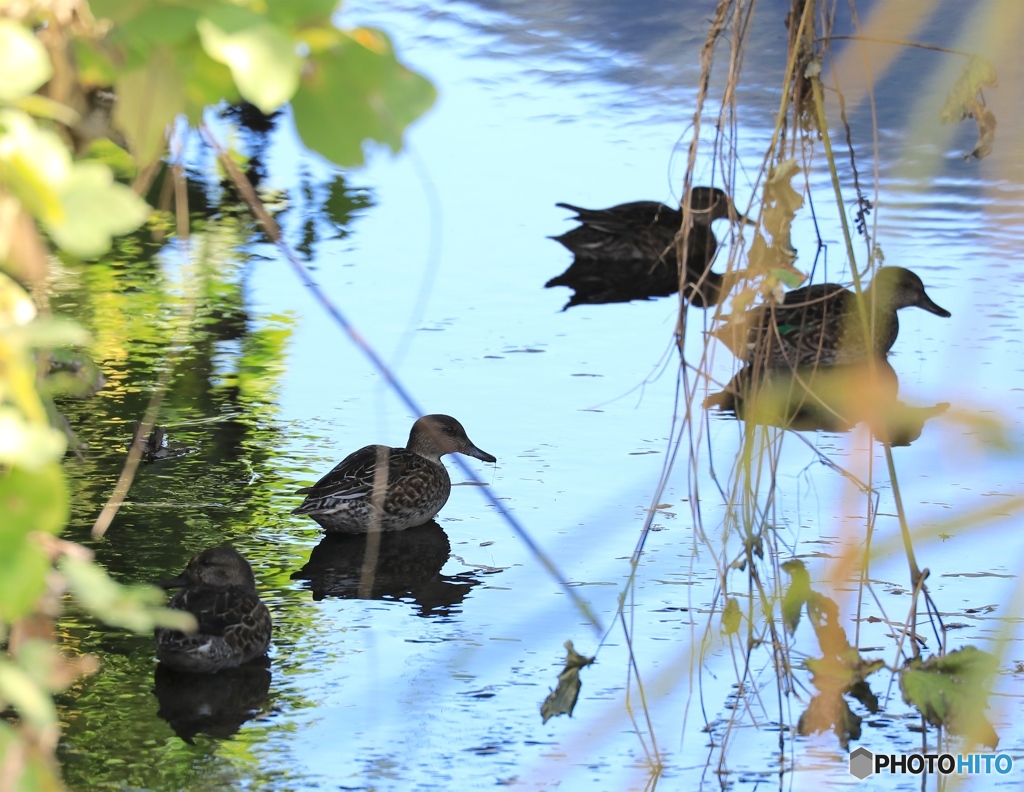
(824, 325)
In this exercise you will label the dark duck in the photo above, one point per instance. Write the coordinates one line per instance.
(629, 252)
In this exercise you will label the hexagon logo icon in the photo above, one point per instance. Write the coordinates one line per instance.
(862, 763)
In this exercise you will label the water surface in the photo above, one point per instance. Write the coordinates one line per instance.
(439, 258)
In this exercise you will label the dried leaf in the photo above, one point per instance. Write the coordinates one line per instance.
(562, 699)
(966, 101)
(774, 257)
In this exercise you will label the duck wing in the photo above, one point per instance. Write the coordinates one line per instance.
(638, 230)
(216, 609)
(627, 217)
(791, 330)
(353, 477)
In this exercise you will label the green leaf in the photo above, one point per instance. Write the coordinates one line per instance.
(562, 700)
(295, 13)
(137, 608)
(24, 63)
(96, 208)
(156, 25)
(32, 703)
(358, 91)
(95, 66)
(41, 107)
(72, 373)
(148, 99)
(208, 83)
(23, 569)
(796, 595)
(732, 616)
(113, 156)
(16, 307)
(952, 691)
(28, 444)
(261, 56)
(33, 163)
(47, 332)
(32, 500)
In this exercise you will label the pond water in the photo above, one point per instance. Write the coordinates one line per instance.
(438, 256)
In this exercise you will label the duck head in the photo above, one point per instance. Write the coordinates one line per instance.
(219, 567)
(708, 204)
(433, 436)
(900, 288)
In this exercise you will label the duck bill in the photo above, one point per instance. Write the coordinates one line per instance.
(174, 582)
(931, 307)
(473, 451)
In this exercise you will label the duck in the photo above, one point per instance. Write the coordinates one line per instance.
(821, 325)
(416, 483)
(628, 252)
(219, 589)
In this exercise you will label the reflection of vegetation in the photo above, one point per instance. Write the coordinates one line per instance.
(221, 402)
(125, 73)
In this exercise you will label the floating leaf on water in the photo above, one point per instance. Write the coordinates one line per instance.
(833, 713)
(562, 699)
(952, 691)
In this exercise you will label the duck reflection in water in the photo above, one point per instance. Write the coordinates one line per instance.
(629, 252)
(213, 704)
(826, 398)
(408, 567)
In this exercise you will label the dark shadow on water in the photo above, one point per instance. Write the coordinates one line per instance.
(408, 568)
(828, 399)
(213, 704)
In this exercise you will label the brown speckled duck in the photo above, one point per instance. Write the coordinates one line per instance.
(218, 588)
(821, 324)
(417, 485)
